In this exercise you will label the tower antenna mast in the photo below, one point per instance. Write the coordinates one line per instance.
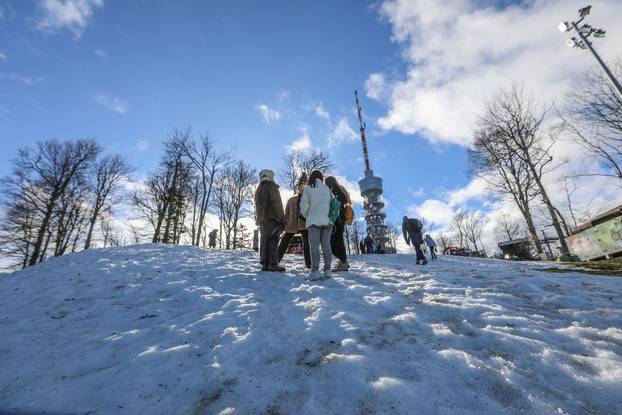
(368, 171)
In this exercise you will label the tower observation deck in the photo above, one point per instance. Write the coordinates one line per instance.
(371, 190)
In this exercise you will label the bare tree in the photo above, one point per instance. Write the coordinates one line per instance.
(473, 227)
(513, 170)
(394, 232)
(444, 239)
(513, 116)
(508, 228)
(233, 194)
(33, 193)
(569, 185)
(594, 120)
(108, 174)
(167, 193)
(458, 226)
(356, 235)
(298, 162)
(69, 219)
(207, 162)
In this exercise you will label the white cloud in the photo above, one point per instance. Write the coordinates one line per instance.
(461, 52)
(435, 212)
(342, 133)
(302, 143)
(477, 188)
(353, 190)
(268, 114)
(19, 78)
(321, 112)
(115, 104)
(2, 57)
(72, 15)
(101, 54)
(376, 87)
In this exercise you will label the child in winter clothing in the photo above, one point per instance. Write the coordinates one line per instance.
(431, 244)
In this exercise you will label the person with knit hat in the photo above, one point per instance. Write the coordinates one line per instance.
(295, 223)
(270, 219)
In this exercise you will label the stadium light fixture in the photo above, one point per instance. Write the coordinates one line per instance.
(584, 32)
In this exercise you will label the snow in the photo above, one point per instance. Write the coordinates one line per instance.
(177, 329)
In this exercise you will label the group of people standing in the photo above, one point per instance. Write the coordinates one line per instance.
(307, 212)
(312, 213)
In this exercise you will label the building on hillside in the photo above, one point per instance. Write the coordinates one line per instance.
(600, 238)
(516, 249)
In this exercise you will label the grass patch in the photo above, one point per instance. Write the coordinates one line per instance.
(611, 267)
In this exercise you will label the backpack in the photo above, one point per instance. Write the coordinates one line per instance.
(414, 225)
(349, 214)
(335, 209)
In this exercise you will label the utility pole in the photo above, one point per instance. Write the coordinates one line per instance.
(546, 241)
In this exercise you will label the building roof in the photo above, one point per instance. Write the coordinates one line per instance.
(600, 218)
(514, 242)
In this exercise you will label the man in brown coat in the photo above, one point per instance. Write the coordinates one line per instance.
(270, 218)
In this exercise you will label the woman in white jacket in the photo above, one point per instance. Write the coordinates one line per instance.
(314, 206)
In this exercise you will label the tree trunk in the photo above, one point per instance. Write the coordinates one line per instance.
(36, 251)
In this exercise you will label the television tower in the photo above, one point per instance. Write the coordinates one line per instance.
(371, 190)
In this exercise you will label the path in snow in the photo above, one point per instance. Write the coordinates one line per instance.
(173, 329)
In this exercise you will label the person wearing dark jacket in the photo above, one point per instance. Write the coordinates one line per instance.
(295, 223)
(337, 244)
(270, 218)
(369, 245)
(411, 228)
(212, 238)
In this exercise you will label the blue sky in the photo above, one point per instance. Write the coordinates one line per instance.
(264, 77)
(138, 69)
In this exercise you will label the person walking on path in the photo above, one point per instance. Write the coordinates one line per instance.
(362, 246)
(212, 238)
(337, 244)
(411, 228)
(256, 240)
(431, 244)
(369, 245)
(295, 223)
(269, 217)
(314, 207)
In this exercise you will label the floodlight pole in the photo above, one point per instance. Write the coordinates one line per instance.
(587, 43)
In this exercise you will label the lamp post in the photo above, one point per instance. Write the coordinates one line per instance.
(584, 32)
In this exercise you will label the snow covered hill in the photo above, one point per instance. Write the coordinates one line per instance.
(182, 330)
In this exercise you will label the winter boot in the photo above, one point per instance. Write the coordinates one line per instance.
(314, 276)
(275, 268)
(342, 266)
(328, 273)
